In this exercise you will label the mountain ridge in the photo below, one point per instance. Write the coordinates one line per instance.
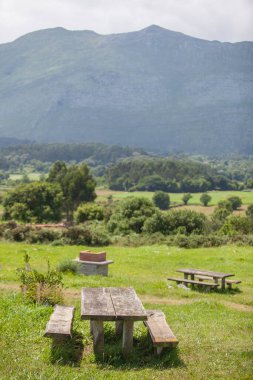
(154, 88)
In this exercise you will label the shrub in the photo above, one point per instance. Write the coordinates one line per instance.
(161, 200)
(205, 199)
(130, 215)
(67, 265)
(99, 235)
(236, 225)
(249, 212)
(235, 201)
(196, 241)
(19, 233)
(38, 287)
(77, 235)
(89, 211)
(186, 198)
(172, 222)
(43, 236)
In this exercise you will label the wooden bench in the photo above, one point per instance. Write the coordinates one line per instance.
(193, 282)
(159, 330)
(229, 283)
(59, 325)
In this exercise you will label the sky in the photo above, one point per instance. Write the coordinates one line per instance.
(223, 20)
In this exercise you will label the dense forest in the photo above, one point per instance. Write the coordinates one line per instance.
(173, 175)
(131, 169)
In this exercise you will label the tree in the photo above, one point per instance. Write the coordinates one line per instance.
(161, 200)
(35, 202)
(205, 199)
(235, 201)
(77, 185)
(186, 198)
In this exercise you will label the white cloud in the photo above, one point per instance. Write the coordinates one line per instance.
(225, 20)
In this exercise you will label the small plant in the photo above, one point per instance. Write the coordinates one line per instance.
(67, 266)
(38, 287)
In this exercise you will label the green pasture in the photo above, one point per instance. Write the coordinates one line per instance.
(214, 328)
(246, 196)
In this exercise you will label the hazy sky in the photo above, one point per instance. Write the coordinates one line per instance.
(224, 20)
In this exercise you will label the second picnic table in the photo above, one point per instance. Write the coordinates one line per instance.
(199, 272)
(121, 305)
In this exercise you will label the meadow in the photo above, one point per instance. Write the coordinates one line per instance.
(214, 328)
(246, 196)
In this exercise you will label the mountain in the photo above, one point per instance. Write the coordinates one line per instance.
(154, 88)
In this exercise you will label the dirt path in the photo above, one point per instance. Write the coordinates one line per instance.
(72, 294)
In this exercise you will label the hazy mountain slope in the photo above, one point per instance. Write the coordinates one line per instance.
(153, 88)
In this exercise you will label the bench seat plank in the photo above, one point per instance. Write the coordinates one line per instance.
(233, 281)
(159, 330)
(60, 322)
(201, 283)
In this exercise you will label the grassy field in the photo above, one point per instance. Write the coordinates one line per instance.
(246, 196)
(214, 328)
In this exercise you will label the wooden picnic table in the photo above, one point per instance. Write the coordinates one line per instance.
(121, 305)
(199, 272)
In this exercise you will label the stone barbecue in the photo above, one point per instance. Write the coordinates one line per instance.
(93, 263)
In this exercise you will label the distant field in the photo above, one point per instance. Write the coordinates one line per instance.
(214, 328)
(33, 176)
(246, 196)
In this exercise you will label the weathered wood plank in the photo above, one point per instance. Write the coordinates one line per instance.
(127, 304)
(96, 304)
(159, 330)
(127, 342)
(204, 272)
(200, 283)
(98, 336)
(60, 322)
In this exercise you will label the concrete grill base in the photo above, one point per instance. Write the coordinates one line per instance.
(93, 268)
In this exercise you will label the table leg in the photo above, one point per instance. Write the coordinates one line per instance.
(91, 328)
(216, 280)
(119, 327)
(192, 277)
(98, 336)
(223, 283)
(127, 345)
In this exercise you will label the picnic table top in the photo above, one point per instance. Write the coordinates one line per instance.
(201, 272)
(111, 304)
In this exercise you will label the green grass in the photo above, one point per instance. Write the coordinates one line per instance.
(214, 328)
(246, 196)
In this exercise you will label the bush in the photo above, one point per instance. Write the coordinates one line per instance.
(19, 233)
(77, 235)
(161, 200)
(172, 222)
(67, 265)
(38, 287)
(205, 199)
(236, 225)
(186, 198)
(43, 236)
(235, 201)
(196, 241)
(130, 215)
(89, 211)
(99, 235)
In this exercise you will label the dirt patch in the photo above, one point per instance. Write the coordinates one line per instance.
(238, 306)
